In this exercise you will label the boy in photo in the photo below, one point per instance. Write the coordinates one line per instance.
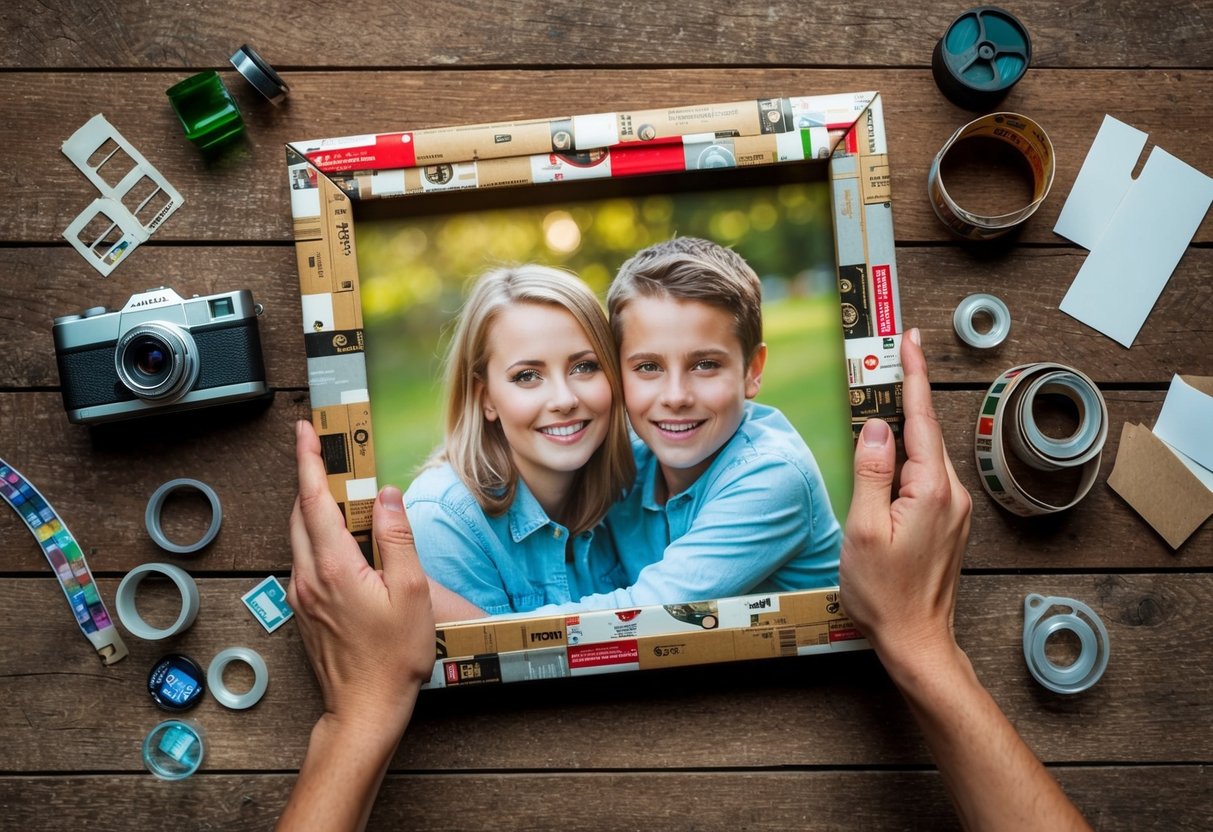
(728, 499)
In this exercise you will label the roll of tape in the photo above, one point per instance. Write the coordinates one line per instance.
(1021, 133)
(214, 678)
(974, 305)
(129, 615)
(1007, 399)
(1072, 616)
(155, 506)
(982, 54)
(260, 74)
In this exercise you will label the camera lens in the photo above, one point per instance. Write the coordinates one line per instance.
(149, 356)
(157, 361)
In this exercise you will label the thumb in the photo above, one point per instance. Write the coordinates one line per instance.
(874, 466)
(394, 537)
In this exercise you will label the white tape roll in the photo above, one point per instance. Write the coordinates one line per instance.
(214, 678)
(970, 308)
(1072, 616)
(129, 615)
(1012, 397)
(1021, 133)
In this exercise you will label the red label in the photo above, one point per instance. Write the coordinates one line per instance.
(985, 425)
(632, 160)
(452, 673)
(844, 634)
(882, 288)
(607, 653)
(871, 362)
(852, 141)
(627, 615)
(390, 151)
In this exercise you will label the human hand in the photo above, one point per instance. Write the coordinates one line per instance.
(901, 557)
(369, 635)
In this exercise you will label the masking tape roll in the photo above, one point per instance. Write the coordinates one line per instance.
(125, 601)
(1072, 616)
(1005, 399)
(973, 305)
(214, 678)
(1021, 133)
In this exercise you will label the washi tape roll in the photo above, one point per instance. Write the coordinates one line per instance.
(1042, 618)
(67, 561)
(982, 54)
(155, 505)
(972, 306)
(1019, 132)
(1007, 410)
(129, 615)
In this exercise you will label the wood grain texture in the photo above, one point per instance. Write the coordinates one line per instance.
(243, 195)
(64, 34)
(1153, 705)
(247, 455)
(1113, 798)
(42, 282)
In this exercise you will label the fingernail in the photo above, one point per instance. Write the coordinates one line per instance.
(392, 499)
(875, 433)
(298, 427)
(916, 336)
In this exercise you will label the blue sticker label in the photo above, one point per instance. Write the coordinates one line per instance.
(267, 602)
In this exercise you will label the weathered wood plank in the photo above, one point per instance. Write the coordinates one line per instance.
(1133, 798)
(65, 34)
(243, 196)
(247, 455)
(41, 283)
(1153, 705)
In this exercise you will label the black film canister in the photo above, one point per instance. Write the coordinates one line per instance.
(983, 53)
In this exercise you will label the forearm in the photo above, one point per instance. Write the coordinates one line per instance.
(995, 780)
(340, 777)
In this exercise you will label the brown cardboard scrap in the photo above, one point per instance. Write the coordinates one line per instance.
(1152, 480)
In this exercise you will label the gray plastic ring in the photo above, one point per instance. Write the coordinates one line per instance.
(1085, 441)
(260, 74)
(1079, 619)
(214, 678)
(973, 305)
(125, 601)
(156, 504)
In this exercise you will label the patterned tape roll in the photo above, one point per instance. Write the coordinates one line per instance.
(1012, 396)
(1021, 133)
(67, 560)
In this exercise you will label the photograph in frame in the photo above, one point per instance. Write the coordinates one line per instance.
(375, 324)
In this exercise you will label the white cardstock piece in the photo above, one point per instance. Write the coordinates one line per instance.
(1134, 255)
(1103, 181)
(1185, 422)
(106, 251)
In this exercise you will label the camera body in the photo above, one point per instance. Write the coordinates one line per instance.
(159, 353)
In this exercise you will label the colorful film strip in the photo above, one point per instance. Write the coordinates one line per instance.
(66, 560)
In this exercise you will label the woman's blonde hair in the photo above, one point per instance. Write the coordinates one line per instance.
(476, 448)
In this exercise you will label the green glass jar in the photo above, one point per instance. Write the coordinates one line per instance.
(206, 110)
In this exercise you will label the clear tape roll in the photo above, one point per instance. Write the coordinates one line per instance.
(1006, 399)
(970, 308)
(129, 615)
(1021, 133)
(237, 701)
(1072, 616)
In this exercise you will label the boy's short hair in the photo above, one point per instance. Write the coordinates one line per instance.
(690, 268)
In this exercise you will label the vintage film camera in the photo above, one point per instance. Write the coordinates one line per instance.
(159, 353)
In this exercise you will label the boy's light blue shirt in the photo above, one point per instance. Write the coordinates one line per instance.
(757, 520)
(511, 563)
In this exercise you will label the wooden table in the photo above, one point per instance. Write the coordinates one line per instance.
(817, 742)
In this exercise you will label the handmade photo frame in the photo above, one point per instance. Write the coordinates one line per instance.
(765, 153)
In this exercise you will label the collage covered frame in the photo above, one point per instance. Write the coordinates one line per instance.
(842, 131)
